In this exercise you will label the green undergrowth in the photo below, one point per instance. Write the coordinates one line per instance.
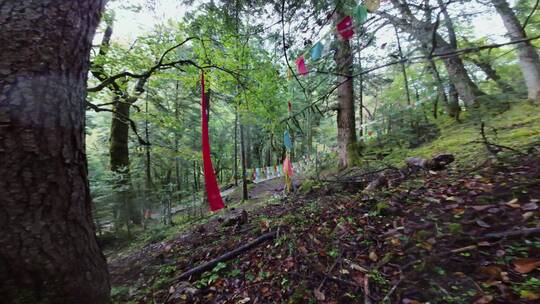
(517, 127)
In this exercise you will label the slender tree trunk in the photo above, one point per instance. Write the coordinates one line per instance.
(403, 69)
(148, 163)
(244, 163)
(48, 248)
(236, 147)
(492, 74)
(361, 89)
(529, 60)
(432, 68)
(345, 113)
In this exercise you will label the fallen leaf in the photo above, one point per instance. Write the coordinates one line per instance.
(504, 276)
(265, 225)
(513, 203)
(493, 210)
(373, 256)
(481, 207)
(359, 279)
(527, 215)
(344, 271)
(482, 224)
(359, 268)
(319, 295)
(529, 207)
(410, 301)
(244, 301)
(485, 299)
(529, 295)
(492, 271)
(526, 265)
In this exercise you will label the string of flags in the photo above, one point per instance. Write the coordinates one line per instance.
(346, 30)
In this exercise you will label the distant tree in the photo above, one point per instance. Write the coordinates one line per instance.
(48, 249)
(426, 33)
(529, 60)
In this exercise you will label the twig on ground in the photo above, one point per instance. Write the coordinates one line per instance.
(329, 271)
(391, 291)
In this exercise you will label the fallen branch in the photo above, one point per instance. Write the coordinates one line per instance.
(494, 148)
(512, 233)
(227, 256)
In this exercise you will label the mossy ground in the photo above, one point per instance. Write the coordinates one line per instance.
(517, 127)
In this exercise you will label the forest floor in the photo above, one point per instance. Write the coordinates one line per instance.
(469, 234)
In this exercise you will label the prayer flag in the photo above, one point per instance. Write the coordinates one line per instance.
(360, 14)
(345, 28)
(287, 140)
(372, 5)
(288, 167)
(212, 190)
(301, 66)
(316, 51)
(290, 107)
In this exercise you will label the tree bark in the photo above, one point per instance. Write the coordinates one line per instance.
(48, 248)
(345, 113)
(529, 60)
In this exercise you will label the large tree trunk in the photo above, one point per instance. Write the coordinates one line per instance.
(465, 87)
(119, 160)
(529, 60)
(118, 149)
(48, 248)
(345, 113)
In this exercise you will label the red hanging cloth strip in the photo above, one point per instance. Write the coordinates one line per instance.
(301, 66)
(210, 181)
(345, 28)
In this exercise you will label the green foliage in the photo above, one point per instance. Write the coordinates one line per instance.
(455, 228)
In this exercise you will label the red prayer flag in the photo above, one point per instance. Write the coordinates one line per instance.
(301, 66)
(345, 28)
(287, 166)
(210, 181)
(290, 107)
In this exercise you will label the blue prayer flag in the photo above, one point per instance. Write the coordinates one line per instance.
(287, 140)
(316, 51)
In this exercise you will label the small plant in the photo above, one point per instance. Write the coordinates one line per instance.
(528, 288)
(455, 228)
